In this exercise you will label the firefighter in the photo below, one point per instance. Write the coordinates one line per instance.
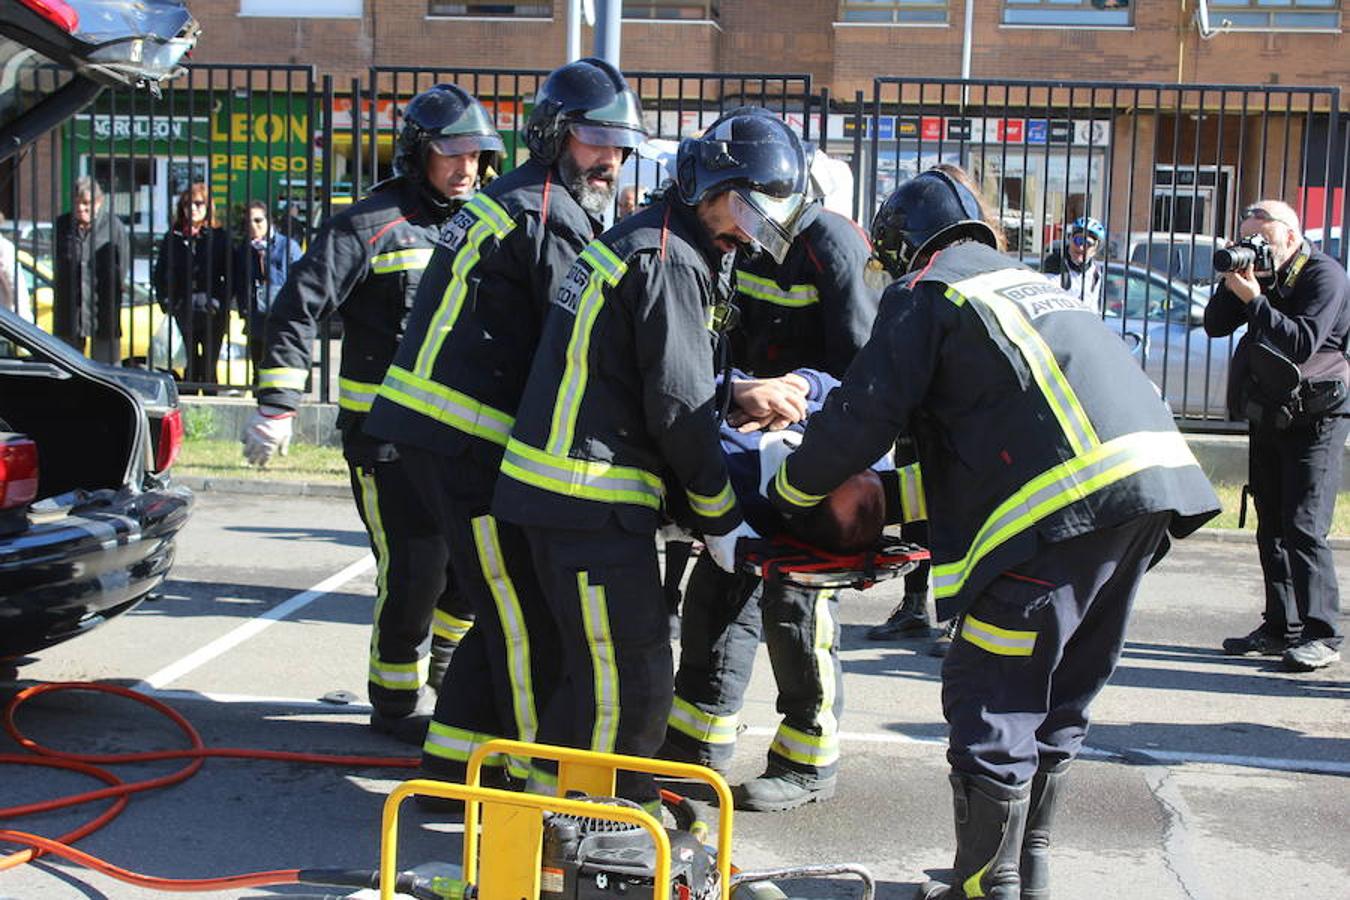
(1053, 474)
(814, 309)
(452, 391)
(365, 263)
(622, 393)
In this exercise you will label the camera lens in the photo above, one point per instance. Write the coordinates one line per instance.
(1231, 259)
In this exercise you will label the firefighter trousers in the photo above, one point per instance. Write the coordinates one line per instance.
(507, 665)
(415, 596)
(1037, 645)
(603, 587)
(724, 615)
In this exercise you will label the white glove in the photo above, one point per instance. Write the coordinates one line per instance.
(268, 433)
(722, 547)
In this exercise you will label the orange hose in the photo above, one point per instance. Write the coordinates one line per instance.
(84, 763)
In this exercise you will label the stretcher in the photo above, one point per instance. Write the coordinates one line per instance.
(787, 560)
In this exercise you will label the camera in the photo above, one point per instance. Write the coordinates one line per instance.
(1253, 251)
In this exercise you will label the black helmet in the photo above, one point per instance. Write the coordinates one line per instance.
(448, 119)
(760, 159)
(928, 211)
(587, 98)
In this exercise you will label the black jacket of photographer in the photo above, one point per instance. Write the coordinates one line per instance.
(1304, 316)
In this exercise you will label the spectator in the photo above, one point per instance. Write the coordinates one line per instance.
(13, 282)
(1079, 271)
(190, 281)
(262, 262)
(628, 201)
(1298, 325)
(93, 254)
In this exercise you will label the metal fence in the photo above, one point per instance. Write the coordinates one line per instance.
(1165, 167)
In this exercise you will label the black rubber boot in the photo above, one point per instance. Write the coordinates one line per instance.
(1045, 790)
(779, 790)
(909, 619)
(441, 651)
(410, 729)
(990, 819)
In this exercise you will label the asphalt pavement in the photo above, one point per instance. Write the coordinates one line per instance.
(1205, 778)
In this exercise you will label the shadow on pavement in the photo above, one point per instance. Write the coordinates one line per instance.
(178, 598)
(343, 537)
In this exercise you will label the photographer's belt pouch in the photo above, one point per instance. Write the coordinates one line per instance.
(1310, 402)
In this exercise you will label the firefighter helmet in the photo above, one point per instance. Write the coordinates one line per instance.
(927, 212)
(445, 119)
(589, 99)
(759, 159)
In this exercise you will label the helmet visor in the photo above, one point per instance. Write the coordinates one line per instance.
(469, 143)
(607, 136)
(771, 222)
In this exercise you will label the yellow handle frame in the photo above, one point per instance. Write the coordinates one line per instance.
(512, 822)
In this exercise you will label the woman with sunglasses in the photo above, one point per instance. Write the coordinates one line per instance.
(262, 261)
(191, 275)
(1076, 262)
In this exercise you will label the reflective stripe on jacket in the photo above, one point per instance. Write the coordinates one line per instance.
(365, 263)
(1032, 421)
(456, 380)
(622, 389)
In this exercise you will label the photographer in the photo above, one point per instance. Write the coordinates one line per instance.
(1288, 379)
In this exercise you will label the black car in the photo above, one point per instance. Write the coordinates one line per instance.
(56, 55)
(88, 515)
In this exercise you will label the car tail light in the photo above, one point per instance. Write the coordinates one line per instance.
(18, 471)
(170, 439)
(58, 12)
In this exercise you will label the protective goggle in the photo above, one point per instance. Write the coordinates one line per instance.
(607, 135)
(770, 222)
(1084, 240)
(468, 143)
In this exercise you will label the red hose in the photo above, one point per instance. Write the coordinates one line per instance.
(84, 763)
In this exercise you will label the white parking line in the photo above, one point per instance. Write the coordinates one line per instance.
(232, 639)
(1128, 755)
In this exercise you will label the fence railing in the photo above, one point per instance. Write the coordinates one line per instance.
(1166, 168)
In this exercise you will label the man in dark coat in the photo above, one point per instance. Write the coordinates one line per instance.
(92, 256)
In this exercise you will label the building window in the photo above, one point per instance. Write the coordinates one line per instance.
(1264, 15)
(1071, 13)
(310, 9)
(492, 10)
(686, 10)
(894, 12)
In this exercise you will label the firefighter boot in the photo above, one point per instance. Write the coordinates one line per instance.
(909, 619)
(1045, 790)
(780, 789)
(441, 651)
(990, 819)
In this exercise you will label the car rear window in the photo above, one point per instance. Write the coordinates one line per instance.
(26, 77)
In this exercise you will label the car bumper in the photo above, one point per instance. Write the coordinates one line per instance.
(61, 578)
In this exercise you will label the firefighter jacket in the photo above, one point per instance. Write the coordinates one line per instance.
(1304, 315)
(365, 263)
(456, 381)
(815, 309)
(623, 387)
(1032, 422)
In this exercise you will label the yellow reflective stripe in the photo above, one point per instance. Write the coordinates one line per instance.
(512, 618)
(816, 749)
(796, 297)
(712, 506)
(790, 493)
(1059, 486)
(1003, 641)
(913, 504)
(587, 479)
(1040, 359)
(282, 378)
(604, 667)
(446, 405)
(356, 395)
(456, 744)
(391, 676)
(606, 270)
(493, 221)
(806, 749)
(411, 260)
(703, 727)
(972, 887)
(450, 627)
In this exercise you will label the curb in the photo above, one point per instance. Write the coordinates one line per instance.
(334, 489)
